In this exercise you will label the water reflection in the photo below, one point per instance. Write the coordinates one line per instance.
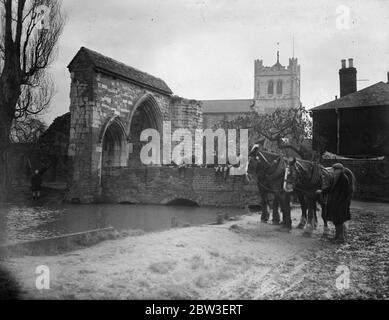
(22, 223)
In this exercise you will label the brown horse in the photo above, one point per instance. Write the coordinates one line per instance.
(309, 177)
(269, 171)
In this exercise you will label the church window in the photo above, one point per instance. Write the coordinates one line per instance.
(279, 87)
(258, 89)
(270, 88)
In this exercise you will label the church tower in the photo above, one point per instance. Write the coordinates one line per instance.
(277, 86)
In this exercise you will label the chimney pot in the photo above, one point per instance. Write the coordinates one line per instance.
(348, 78)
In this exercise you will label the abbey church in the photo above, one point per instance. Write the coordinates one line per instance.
(274, 87)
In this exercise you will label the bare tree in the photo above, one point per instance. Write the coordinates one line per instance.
(29, 32)
(27, 130)
(289, 128)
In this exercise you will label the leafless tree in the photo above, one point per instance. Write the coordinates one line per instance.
(27, 130)
(289, 128)
(29, 32)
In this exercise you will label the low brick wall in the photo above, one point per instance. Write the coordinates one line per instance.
(162, 185)
(372, 178)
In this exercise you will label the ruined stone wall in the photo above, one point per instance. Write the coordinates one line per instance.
(97, 98)
(82, 105)
(186, 114)
(164, 185)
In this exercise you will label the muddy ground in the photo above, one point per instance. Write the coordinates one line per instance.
(239, 260)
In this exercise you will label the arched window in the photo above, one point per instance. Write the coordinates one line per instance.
(279, 87)
(270, 88)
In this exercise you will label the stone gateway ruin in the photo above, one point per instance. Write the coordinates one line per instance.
(111, 104)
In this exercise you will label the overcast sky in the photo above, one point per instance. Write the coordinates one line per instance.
(205, 49)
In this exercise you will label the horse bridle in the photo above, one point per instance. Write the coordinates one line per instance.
(299, 169)
(257, 153)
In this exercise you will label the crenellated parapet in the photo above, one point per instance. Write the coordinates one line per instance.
(276, 86)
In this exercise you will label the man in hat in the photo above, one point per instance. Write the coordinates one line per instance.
(338, 202)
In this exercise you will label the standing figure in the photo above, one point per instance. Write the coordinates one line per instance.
(36, 181)
(339, 199)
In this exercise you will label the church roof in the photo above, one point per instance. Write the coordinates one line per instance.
(228, 106)
(278, 66)
(375, 95)
(108, 65)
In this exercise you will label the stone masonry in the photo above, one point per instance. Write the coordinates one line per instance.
(164, 185)
(109, 100)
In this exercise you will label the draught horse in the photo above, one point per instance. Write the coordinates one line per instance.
(308, 177)
(269, 170)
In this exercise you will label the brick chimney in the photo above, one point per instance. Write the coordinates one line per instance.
(348, 78)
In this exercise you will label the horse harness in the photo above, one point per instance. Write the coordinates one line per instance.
(315, 179)
(276, 174)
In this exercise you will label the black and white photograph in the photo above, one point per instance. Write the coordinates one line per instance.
(206, 152)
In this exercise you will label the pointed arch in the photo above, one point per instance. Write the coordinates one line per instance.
(117, 122)
(270, 87)
(113, 143)
(279, 87)
(150, 107)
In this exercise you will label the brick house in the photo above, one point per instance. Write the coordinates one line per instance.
(357, 124)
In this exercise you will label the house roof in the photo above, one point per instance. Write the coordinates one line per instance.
(375, 95)
(227, 106)
(111, 66)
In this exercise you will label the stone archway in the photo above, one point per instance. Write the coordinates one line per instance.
(182, 199)
(149, 106)
(145, 115)
(113, 144)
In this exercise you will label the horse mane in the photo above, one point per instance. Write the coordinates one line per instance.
(310, 171)
(305, 165)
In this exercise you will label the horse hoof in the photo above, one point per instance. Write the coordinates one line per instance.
(301, 226)
(307, 234)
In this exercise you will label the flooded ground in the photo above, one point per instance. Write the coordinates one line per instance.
(24, 223)
(244, 259)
